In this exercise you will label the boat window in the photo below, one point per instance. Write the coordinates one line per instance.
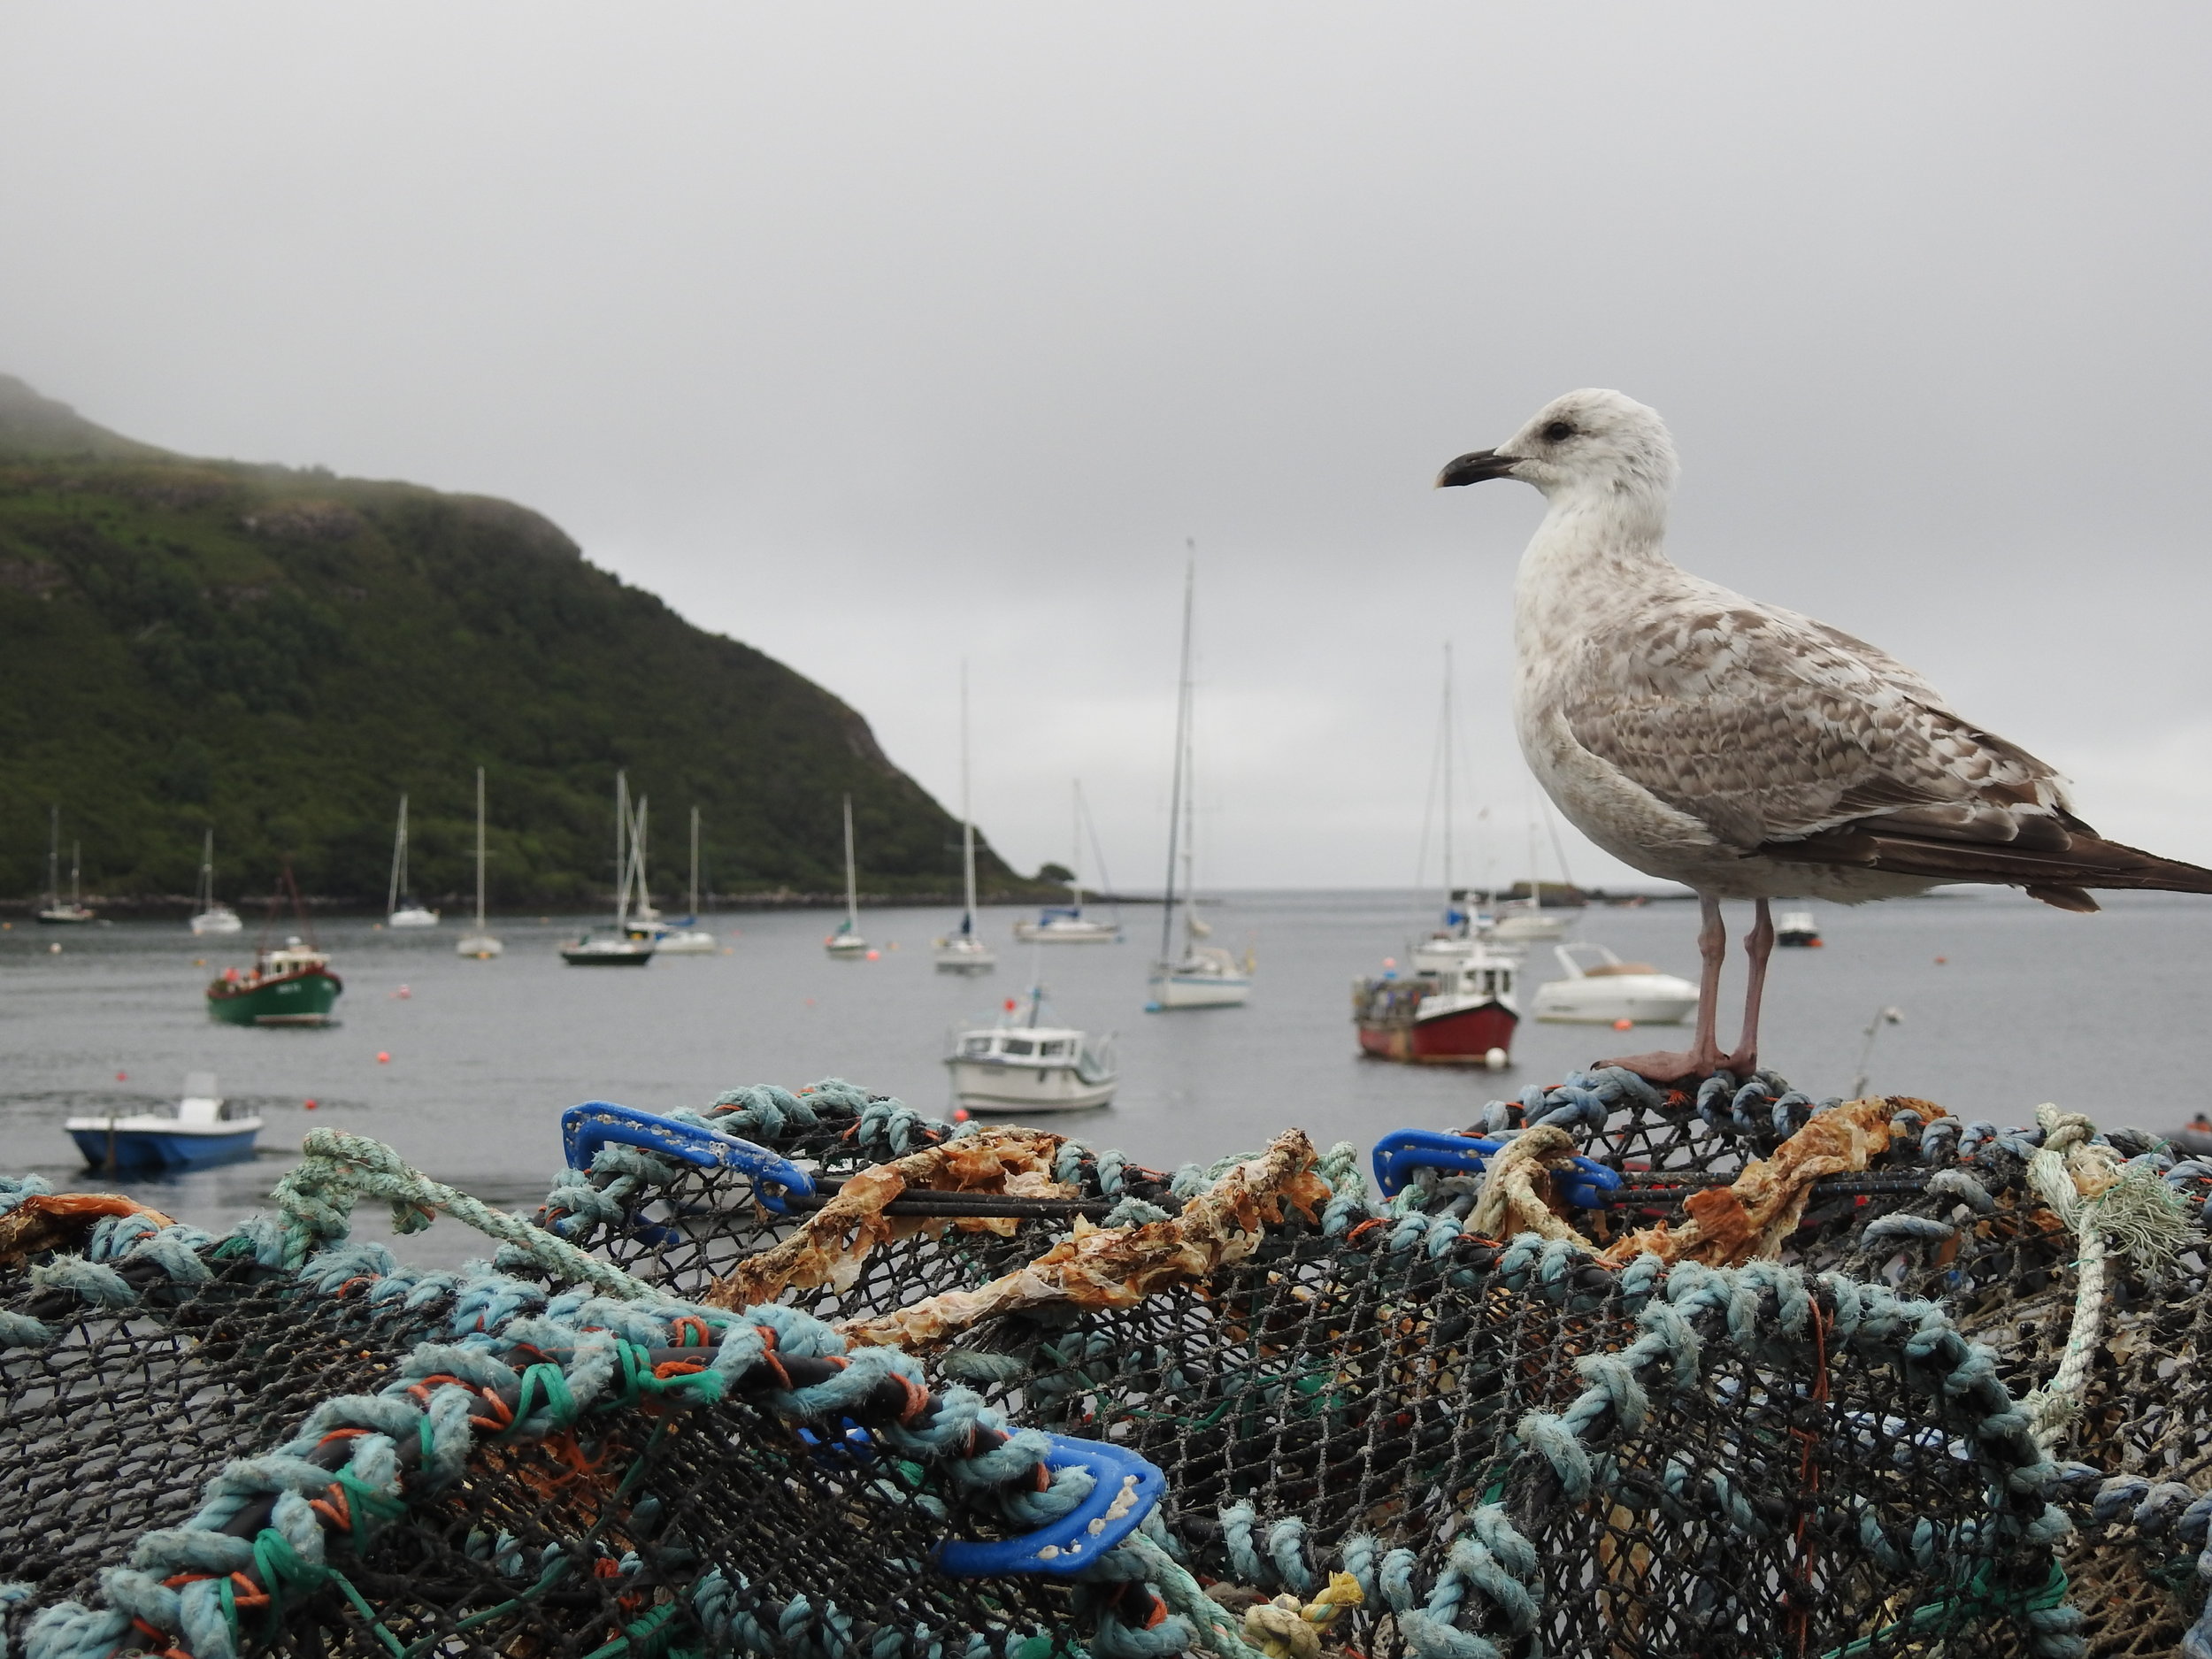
(1059, 1047)
(976, 1045)
(1020, 1045)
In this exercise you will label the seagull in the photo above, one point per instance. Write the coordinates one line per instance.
(1744, 750)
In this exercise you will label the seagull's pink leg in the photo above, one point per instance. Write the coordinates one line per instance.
(1663, 1066)
(1758, 945)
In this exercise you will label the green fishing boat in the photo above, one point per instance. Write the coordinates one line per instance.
(293, 986)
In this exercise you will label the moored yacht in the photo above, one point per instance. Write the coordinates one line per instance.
(627, 944)
(1608, 991)
(1189, 974)
(59, 911)
(401, 907)
(847, 943)
(963, 951)
(210, 915)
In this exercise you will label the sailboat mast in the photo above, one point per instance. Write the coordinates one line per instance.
(207, 872)
(621, 848)
(76, 855)
(637, 857)
(1182, 739)
(399, 859)
(1447, 775)
(967, 821)
(479, 850)
(53, 857)
(852, 892)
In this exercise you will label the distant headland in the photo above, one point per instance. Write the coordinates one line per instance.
(277, 653)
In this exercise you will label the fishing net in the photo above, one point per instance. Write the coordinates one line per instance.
(1615, 1371)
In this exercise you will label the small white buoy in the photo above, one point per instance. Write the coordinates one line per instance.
(1494, 1059)
(54, 949)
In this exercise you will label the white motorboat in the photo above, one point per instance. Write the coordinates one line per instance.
(847, 941)
(1031, 1068)
(1190, 975)
(963, 951)
(478, 944)
(627, 944)
(1609, 990)
(209, 914)
(687, 938)
(202, 1129)
(400, 907)
(1525, 922)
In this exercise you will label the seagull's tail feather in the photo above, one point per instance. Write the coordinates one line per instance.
(2055, 874)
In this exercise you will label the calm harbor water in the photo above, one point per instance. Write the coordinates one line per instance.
(2006, 1003)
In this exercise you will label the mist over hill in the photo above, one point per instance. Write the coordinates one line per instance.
(278, 653)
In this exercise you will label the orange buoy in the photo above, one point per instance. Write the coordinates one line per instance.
(383, 1056)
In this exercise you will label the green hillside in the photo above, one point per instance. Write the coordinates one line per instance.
(278, 653)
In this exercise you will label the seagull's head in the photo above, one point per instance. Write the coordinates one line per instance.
(1588, 442)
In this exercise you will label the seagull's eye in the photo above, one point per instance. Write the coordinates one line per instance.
(1559, 431)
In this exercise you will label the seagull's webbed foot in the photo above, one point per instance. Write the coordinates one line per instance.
(1679, 1066)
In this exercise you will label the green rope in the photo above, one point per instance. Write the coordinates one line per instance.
(338, 1168)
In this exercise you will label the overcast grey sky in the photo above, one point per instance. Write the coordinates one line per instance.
(875, 336)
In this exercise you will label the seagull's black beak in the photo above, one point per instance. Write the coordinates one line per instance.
(1472, 469)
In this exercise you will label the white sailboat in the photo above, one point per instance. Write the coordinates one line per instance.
(1196, 975)
(400, 907)
(965, 951)
(208, 915)
(1065, 923)
(686, 938)
(54, 912)
(625, 945)
(847, 941)
(478, 943)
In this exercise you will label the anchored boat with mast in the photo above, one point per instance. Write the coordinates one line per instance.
(687, 938)
(1196, 975)
(965, 951)
(400, 907)
(290, 984)
(846, 942)
(54, 912)
(209, 915)
(1457, 1006)
(1065, 923)
(478, 943)
(625, 945)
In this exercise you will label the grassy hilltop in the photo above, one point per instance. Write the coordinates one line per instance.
(278, 653)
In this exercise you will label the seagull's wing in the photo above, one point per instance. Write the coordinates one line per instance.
(1793, 740)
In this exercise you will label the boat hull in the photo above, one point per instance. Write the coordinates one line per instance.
(687, 942)
(1196, 990)
(1392, 1025)
(998, 1089)
(291, 999)
(1035, 933)
(1595, 1001)
(163, 1149)
(576, 958)
(482, 947)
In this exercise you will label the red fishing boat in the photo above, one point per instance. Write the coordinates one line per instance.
(1455, 1008)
